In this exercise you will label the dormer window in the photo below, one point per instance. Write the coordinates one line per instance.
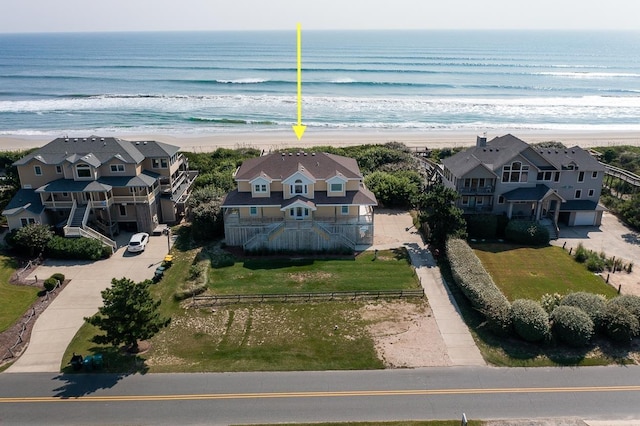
(260, 188)
(298, 188)
(336, 187)
(117, 168)
(159, 163)
(83, 170)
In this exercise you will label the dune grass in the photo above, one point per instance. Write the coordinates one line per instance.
(14, 299)
(529, 272)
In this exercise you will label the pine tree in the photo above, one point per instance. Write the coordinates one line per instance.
(128, 314)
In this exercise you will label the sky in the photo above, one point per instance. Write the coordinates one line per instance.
(213, 15)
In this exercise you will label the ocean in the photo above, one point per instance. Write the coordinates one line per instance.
(192, 83)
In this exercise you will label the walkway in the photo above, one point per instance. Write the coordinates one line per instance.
(57, 325)
(394, 229)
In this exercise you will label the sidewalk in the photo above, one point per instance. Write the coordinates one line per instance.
(57, 325)
(394, 229)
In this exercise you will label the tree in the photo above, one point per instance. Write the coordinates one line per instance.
(128, 314)
(33, 238)
(205, 212)
(445, 220)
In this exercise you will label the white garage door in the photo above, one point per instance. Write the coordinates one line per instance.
(585, 218)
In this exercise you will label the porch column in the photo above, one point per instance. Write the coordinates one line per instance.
(510, 210)
(538, 210)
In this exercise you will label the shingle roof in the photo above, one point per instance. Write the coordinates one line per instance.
(101, 149)
(497, 151)
(103, 184)
(279, 166)
(362, 197)
(25, 199)
(578, 205)
(535, 193)
(561, 158)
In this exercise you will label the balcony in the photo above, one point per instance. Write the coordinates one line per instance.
(476, 209)
(473, 190)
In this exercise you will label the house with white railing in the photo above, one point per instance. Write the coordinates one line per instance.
(287, 201)
(97, 186)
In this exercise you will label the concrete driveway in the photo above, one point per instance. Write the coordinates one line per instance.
(614, 239)
(55, 327)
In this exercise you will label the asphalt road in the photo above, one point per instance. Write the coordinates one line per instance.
(595, 393)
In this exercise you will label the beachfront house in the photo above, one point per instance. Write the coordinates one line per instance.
(97, 186)
(509, 177)
(299, 201)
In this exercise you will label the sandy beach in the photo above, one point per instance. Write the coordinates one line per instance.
(272, 140)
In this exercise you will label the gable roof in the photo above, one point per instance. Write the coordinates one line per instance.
(279, 166)
(561, 158)
(497, 152)
(97, 150)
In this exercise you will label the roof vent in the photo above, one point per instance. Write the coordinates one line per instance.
(290, 154)
(66, 139)
(144, 143)
(85, 139)
(305, 154)
(297, 154)
(102, 139)
(573, 152)
(283, 154)
(313, 154)
(93, 139)
(75, 140)
(137, 142)
(317, 163)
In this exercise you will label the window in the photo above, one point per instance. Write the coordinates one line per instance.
(516, 172)
(545, 176)
(24, 221)
(465, 200)
(336, 187)
(578, 193)
(83, 170)
(159, 163)
(117, 168)
(299, 212)
(501, 200)
(556, 177)
(59, 170)
(591, 192)
(479, 201)
(260, 187)
(123, 209)
(594, 175)
(163, 163)
(298, 187)
(37, 170)
(581, 177)
(253, 211)
(344, 210)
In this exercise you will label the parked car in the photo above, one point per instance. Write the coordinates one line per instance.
(138, 242)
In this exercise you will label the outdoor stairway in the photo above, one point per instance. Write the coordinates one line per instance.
(553, 231)
(78, 216)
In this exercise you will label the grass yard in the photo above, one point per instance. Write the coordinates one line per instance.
(14, 299)
(389, 271)
(528, 273)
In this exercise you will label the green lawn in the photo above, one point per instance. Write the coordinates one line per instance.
(14, 299)
(528, 273)
(389, 271)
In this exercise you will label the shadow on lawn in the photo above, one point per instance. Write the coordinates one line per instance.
(497, 247)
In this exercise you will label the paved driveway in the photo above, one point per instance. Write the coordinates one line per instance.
(614, 239)
(57, 325)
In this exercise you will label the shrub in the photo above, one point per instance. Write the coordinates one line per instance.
(482, 225)
(77, 248)
(620, 324)
(478, 286)
(581, 254)
(526, 232)
(58, 276)
(571, 325)
(550, 301)
(530, 320)
(595, 263)
(630, 302)
(50, 283)
(592, 304)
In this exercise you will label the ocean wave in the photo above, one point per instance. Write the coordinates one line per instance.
(243, 81)
(590, 75)
(231, 121)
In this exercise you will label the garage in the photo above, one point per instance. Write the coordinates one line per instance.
(584, 218)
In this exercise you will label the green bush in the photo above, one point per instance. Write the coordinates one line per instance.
(595, 263)
(50, 283)
(581, 254)
(530, 320)
(620, 324)
(77, 248)
(550, 301)
(58, 276)
(630, 302)
(478, 286)
(572, 326)
(482, 225)
(526, 232)
(592, 304)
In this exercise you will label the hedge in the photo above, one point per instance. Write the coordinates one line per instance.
(482, 225)
(630, 302)
(621, 325)
(77, 248)
(572, 325)
(530, 320)
(478, 286)
(526, 232)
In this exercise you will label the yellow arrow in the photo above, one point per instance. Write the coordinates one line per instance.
(299, 128)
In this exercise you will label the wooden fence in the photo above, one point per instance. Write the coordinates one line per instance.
(221, 299)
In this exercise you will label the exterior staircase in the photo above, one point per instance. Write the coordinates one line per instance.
(78, 218)
(77, 226)
(551, 227)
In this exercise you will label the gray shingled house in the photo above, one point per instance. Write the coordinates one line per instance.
(96, 186)
(299, 201)
(507, 176)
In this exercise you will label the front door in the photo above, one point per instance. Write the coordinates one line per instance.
(299, 213)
